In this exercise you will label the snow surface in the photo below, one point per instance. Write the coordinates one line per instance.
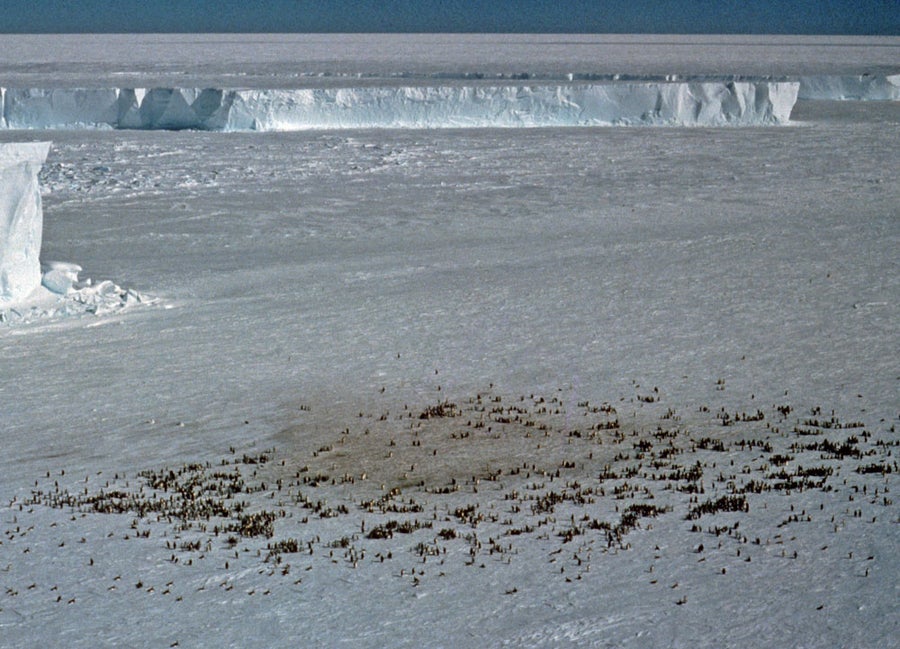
(21, 219)
(564, 359)
(315, 60)
(679, 104)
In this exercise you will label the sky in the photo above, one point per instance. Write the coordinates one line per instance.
(877, 17)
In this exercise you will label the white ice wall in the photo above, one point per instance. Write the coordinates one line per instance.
(682, 103)
(32, 107)
(618, 100)
(864, 87)
(21, 219)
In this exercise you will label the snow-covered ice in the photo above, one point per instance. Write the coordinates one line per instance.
(465, 387)
(59, 276)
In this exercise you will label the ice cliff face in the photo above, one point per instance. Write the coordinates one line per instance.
(21, 219)
(854, 87)
(697, 103)
(511, 106)
(615, 101)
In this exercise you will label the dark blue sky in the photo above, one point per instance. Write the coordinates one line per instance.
(589, 16)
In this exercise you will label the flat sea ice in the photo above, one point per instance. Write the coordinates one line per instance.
(628, 386)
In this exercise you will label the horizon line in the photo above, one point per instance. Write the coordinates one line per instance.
(448, 33)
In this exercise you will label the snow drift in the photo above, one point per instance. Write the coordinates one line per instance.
(21, 219)
(658, 103)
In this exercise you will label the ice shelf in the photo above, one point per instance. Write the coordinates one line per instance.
(21, 219)
(864, 87)
(688, 103)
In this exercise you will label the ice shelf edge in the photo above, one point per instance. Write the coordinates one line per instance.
(694, 103)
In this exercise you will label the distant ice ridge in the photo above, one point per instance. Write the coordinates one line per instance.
(713, 103)
(866, 87)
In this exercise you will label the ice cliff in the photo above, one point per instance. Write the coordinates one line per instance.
(30, 290)
(618, 100)
(21, 219)
(699, 103)
(855, 87)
